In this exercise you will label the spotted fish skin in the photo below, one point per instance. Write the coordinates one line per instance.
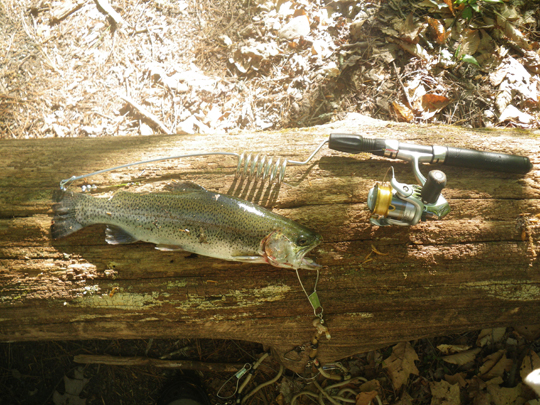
(192, 219)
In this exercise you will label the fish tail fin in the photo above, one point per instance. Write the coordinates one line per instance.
(65, 222)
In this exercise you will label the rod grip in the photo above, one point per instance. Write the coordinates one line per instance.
(475, 159)
(351, 143)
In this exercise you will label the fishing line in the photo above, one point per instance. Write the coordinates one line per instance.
(313, 298)
(249, 165)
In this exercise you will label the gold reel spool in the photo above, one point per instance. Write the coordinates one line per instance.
(383, 199)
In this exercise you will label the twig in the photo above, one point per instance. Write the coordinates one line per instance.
(104, 4)
(398, 9)
(65, 10)
(402, 86)
(145, 361)
(146, 114)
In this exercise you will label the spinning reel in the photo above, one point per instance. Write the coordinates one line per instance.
(406, 204)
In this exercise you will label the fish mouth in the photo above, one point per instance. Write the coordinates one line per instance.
(305, 262)
(278, 250)
(309, 264)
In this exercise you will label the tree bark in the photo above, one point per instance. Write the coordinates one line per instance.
(476, 268)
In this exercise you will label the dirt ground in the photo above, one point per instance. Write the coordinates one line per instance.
(130, 67)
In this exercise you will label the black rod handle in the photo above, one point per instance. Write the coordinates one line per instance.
(500, 162)
(351, 143)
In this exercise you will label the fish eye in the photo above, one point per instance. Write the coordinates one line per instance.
(301, 241)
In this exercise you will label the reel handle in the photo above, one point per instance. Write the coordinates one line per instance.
(500, 162)
(435, 182)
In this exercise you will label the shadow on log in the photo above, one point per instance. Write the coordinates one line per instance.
(476, 268)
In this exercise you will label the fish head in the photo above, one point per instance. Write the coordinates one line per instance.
(288, 249)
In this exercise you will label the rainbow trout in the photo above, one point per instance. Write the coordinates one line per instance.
(193, 219)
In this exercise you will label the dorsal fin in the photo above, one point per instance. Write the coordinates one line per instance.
(183, 187)
(115, 235)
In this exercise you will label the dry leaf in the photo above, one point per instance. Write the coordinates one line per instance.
(406, 399)
(470, 41)
(438, 29)
(409, 30)
(504, 395)
(73, 387)
(529, 332)
(145, 129)
(488, 336)
(432, 104)
(502, 100)
(532, 61)
(530, 362)
(400, 364)
(476, 386)
(365, 398)
(415, 89)
(449, 349)
(462, 358)
(413, 49)
(487, 44)
(458, 379)
(495, 365)
(372, 385)
(513, 33)
(512, 114)
(295, 28)
(404, 113)
(443, 393)
(450, 5)
(496, 77)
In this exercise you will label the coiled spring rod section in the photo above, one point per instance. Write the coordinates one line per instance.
(261, 167)
(249, 166)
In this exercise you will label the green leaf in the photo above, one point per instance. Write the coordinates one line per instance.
(493, 1)
(470, 59)
(456, 54)
(467, 13)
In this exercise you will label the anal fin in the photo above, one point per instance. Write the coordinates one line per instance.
(115, 235)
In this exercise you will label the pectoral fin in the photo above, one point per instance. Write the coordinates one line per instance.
(250, 259)
(169, 248)
(115, 235)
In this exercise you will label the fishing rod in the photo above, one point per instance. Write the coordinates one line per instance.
(392, 204)
(406, 204)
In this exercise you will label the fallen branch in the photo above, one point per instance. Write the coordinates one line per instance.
(146, 361)
(104, 4)
(146, 114)
(65, 10)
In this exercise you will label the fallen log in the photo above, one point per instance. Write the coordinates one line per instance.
(476, 268)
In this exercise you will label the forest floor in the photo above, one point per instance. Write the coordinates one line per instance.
(127, 67)
(86, 68)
